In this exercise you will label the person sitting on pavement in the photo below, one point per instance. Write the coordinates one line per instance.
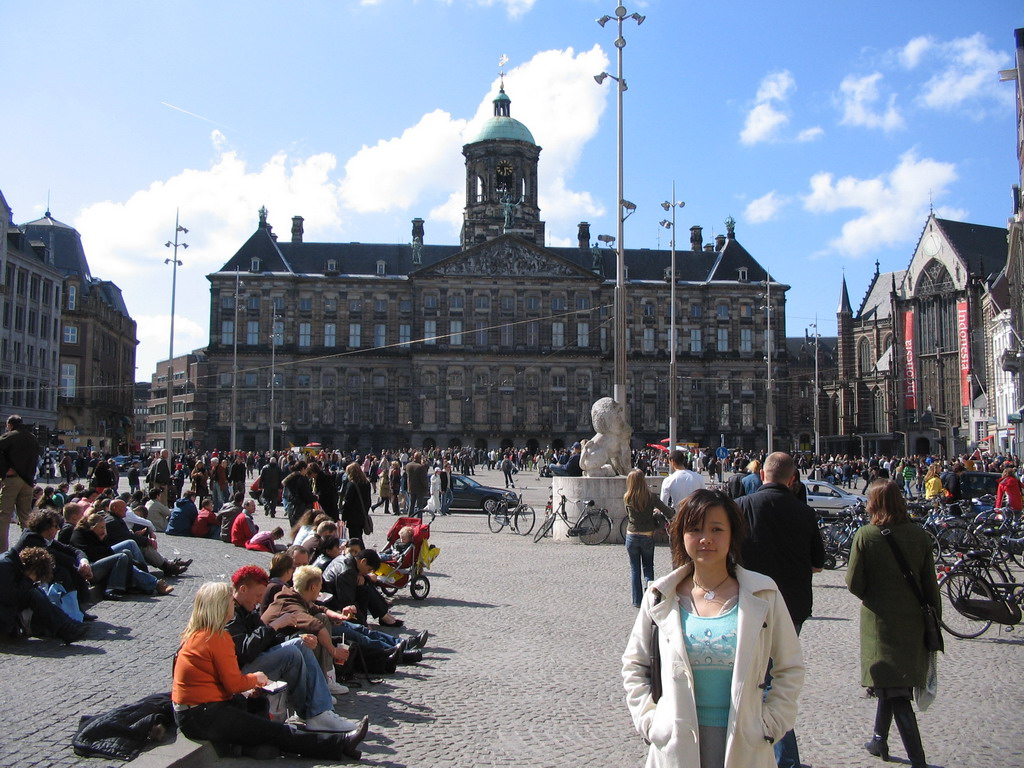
(269, 649)
(330, 549)
(72, 513)
(266, 541)
(307, 525)
(115, 571)
(571, 466)
(206, 525)
(381, 650)
(141, 546)
(227, 514)
(183, 515)
(299, 601)
(244, 527)
(20, 573)
(313, 543)
(71, 565)
(348, 579)
(157, 512)
(207, 680)
(282, 566)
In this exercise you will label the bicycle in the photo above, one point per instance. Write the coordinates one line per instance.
(661, 524)
(592, 525)
(977, 599)
(520, 519)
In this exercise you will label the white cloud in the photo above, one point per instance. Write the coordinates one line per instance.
(765, 119)
(859, 97)
(892, 206)
(765, 208)
(810, 134)
(912, 53)
(969, 75)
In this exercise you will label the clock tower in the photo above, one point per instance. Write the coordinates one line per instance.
(501, 180)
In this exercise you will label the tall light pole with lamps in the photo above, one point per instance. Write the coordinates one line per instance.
(817, 423)
(769, 410)
(273, 374)
(234, 370)
(178, 229)
(673, 383)
(624, 209)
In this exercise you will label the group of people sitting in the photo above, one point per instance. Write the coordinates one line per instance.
(46, 578)
(282, 626)
(234, 522)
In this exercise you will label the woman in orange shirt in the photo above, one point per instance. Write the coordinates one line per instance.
(207, 684)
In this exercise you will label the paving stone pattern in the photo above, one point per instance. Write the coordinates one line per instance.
(522, 668)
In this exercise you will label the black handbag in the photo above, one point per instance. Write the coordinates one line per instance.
(932, 633)
(655, 663)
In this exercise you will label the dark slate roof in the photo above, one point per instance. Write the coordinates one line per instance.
(361, 259)
(877, 304)
(844, 299)
(110, 294)
(982, 248)
(64, 243)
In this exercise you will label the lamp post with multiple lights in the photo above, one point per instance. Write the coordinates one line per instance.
(178, 229)
(769, 410)
(234, 369)
(817, 425)
(273, 375)
(673, 383)
(624, 209)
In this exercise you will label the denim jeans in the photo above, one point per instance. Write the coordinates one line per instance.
(143, 581)
(134, 550)
(357, 634)
(112, 571)
(446, 501)
(641, 558)
(295, 664)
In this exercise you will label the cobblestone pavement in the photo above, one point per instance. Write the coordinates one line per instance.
(522, 667)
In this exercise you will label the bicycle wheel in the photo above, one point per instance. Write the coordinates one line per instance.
(524, 519)
(623, 525)
(497, 519)
(545, 528)
(594, 527)
(957, 588)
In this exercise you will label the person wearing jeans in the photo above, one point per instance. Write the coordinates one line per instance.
(641, 508)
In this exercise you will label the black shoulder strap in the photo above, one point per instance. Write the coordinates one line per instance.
(914, 586)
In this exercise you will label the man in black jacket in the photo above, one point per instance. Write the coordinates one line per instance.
(349, 579)
(19, 456)
(265, 648)
(143, 552)
(784, 543)
(270, 486)
(19, 573)
(159, 475)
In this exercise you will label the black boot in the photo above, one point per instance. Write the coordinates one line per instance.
(879, 746)
(906, 723)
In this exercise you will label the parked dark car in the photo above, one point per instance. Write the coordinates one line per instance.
(467, 493)
(975, 484)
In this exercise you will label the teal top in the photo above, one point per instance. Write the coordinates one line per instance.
(711, 649)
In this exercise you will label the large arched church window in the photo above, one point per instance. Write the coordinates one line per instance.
(867, 364)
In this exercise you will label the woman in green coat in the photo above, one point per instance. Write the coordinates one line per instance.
(893, 657)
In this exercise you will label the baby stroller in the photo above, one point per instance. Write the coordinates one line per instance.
(406, 568)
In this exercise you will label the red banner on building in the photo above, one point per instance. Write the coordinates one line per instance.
(909, 363)
(964, 342)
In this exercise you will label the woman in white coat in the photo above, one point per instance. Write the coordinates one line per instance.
(718, 626)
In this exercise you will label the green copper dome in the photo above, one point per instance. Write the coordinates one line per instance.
(503, 125)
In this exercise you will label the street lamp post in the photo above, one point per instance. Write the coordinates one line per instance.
(673, 383)
(178, 229)
(234, 370)
(817, 423)
(273, 374)
(769, 410)
(623, 208)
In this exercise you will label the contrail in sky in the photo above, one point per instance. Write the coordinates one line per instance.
(193, 114)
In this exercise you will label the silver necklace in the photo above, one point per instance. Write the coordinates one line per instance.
(709, 594)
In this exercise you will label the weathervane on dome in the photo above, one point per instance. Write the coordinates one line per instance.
(502, 61)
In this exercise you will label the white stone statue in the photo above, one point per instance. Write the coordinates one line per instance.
(607, 453)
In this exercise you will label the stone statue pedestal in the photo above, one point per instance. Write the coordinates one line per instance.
(606, 492)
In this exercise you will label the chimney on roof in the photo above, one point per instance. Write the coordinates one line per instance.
(719, 242)
(584, 236)
(709, 248)
(297, 229)
(417, 231)
(696, 239)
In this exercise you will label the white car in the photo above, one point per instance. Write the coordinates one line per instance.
(828, 498)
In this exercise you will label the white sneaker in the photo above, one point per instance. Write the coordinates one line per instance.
(330, 721)
(336, 689)
(295, 720)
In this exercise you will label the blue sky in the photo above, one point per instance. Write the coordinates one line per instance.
(825, 129)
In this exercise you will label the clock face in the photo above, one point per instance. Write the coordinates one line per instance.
(505, 168)
(931, 244)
